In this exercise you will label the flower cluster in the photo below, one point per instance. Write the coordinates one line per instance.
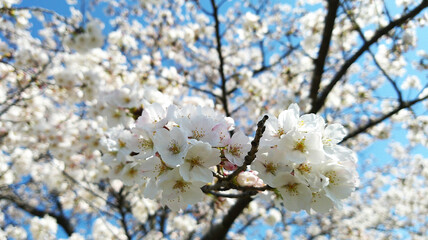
(83, 40)
(301, 159)
(172, 151)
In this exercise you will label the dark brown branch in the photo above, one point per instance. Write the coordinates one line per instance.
(360, 32)
(251, 155)
(379, 33)
(219, 231)
(249, 222)
(264, 68)
(227, 185)
(221, 58)
(63, 221)
(121, 202)
(323, 50)
(18, 98)
(372, 123)
(34, 9)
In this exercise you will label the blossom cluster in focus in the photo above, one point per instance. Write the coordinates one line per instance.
(173, 152)
(301, 158)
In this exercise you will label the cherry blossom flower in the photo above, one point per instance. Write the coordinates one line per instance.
(237, 148)
(247, 179)
(178, 193)
(270, 163)
(296, 195)
(199, 158)
(172, 145)
(201, 128)
(340, 182)
(287, 120)
(300, 146)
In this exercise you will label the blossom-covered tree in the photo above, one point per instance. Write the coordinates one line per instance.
(213, 119)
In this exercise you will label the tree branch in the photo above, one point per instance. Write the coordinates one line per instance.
(251, 155)
(379, 33)
(360, 32)
(221, 59)
(219, 231)
(60, 218)
(372, 123)
(323, 50)
(121, 202)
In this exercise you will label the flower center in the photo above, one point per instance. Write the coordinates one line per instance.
(271, 168)
(195, 161)
(292, 189)
(146, 144)
(304, 168)
(300, 146)
(235, 150)
(332, 177)
(198, 134)
(174, 148)
(180, 186)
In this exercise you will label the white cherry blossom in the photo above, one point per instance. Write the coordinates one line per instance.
(199, 158)
(171, 145)
(238, 146)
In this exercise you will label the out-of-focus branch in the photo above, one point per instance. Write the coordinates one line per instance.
(379, 33)
(63, 221)
(121, 202)
(219, 231)
(224, 99)
(323, 50)
(33, 9)
(17, 95)
(374, 122)
(360, 32)
(284, 55)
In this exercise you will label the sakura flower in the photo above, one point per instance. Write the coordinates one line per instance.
(333, 134)
(340, 182)
(117, 142)
(152, 169)
(310, 173)
(43, 228)
(320, 202)
(247, 179)
(302, 146)
(116, 169)
(178, 193)
(200, 127)
(124, 97)
(196, 164)
(411, 82)
(269, 163)
(310, 123)
(237, 148)
(171, 145)
(222, 130)
(286, 121)
(296, 195)
(154, 117)
(273, 216)
(116, 117)
(131, 174)
(142, 143)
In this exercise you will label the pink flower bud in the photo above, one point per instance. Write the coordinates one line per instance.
(247, 179)
(229, 166)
